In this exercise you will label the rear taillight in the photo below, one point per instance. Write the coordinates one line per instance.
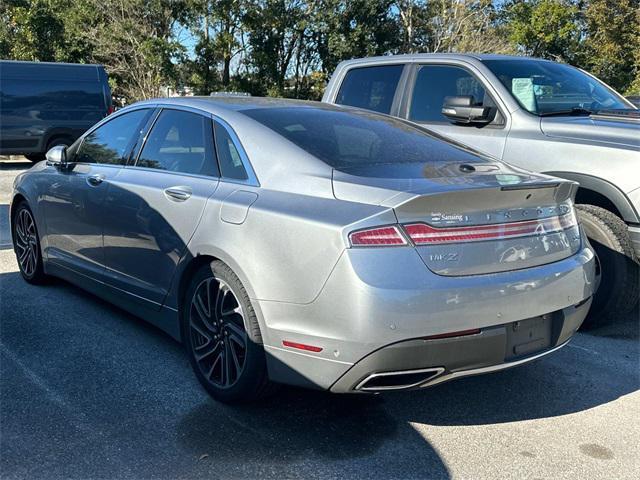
(423, 234)
(111, 109)
(379, 236)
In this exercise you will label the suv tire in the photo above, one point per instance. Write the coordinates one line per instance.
(620, 272)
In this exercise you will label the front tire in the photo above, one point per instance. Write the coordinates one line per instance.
(620, 272)
(26, 245)
(222, 337)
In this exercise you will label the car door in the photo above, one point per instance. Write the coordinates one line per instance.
(74, 199)
(428, 87)
(154, 205)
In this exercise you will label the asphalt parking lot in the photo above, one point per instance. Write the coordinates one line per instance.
(88, 391)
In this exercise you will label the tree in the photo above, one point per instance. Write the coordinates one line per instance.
(544, 28)
(276, 29)
(346, 29)
(464, 26)
(134, 40)
(33, 30)
(612, 44)
(218, 27)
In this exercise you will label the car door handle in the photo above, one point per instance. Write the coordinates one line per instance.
(95, 180)
(178, 194)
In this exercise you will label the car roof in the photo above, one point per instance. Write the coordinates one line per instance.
(238, 103)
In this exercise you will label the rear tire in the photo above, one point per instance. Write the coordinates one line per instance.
(26, 245)
(620, 272)
(222, 337)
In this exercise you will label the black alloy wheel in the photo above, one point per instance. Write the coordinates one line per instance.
(216, 332)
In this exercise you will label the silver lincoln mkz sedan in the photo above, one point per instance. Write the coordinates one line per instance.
(309, 244)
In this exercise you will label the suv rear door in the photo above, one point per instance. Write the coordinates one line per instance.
(430, 83)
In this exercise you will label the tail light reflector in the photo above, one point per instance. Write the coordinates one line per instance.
(423, 234)
(301, 346)
(379, 236)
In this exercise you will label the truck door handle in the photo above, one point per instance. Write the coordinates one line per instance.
(95, 180)
(178, 194)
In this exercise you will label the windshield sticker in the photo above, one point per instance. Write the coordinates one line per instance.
(522, 89)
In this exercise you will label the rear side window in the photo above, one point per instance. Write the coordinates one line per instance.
(434, 83)
(229, 157)
(111, 142)
(372, 88)
(180, 142)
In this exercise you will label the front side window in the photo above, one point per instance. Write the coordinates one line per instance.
(549, 88)
(372, 88)
(229, 157)
(434, 83)
(111, 142)
(180, 142)
(355, 138)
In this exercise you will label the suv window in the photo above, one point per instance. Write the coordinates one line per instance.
(228, 155)
(111, 142)
(434, 83)
(372, 88)
(180, 142)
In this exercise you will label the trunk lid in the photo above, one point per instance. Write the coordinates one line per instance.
(469, 219)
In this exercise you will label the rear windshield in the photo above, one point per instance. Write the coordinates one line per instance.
(356, 138)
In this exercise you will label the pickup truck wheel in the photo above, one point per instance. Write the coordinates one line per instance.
(620, 275)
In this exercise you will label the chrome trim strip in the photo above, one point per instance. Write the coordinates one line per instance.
(491, 368)
(435, 370)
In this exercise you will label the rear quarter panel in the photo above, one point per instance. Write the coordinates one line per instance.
(287, 245)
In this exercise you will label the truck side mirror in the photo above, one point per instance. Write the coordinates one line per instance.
(461, 109)
(57, 156)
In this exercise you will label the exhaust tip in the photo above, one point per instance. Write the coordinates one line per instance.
(401, 380)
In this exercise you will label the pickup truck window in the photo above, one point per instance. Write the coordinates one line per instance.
(548, 88)
(372, 88)
(434, 83)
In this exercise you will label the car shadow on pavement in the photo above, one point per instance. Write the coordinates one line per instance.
(134, 372)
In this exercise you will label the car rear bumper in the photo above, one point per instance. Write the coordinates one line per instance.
(379, 299)
(422, 362)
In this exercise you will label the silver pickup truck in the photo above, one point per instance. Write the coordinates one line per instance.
(536, 114)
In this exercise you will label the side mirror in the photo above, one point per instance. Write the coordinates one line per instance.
(57, 156)
(461, 109)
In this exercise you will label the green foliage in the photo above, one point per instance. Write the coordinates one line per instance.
(34, 30)
(612, 47)
(290, 47)
(544, 28)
